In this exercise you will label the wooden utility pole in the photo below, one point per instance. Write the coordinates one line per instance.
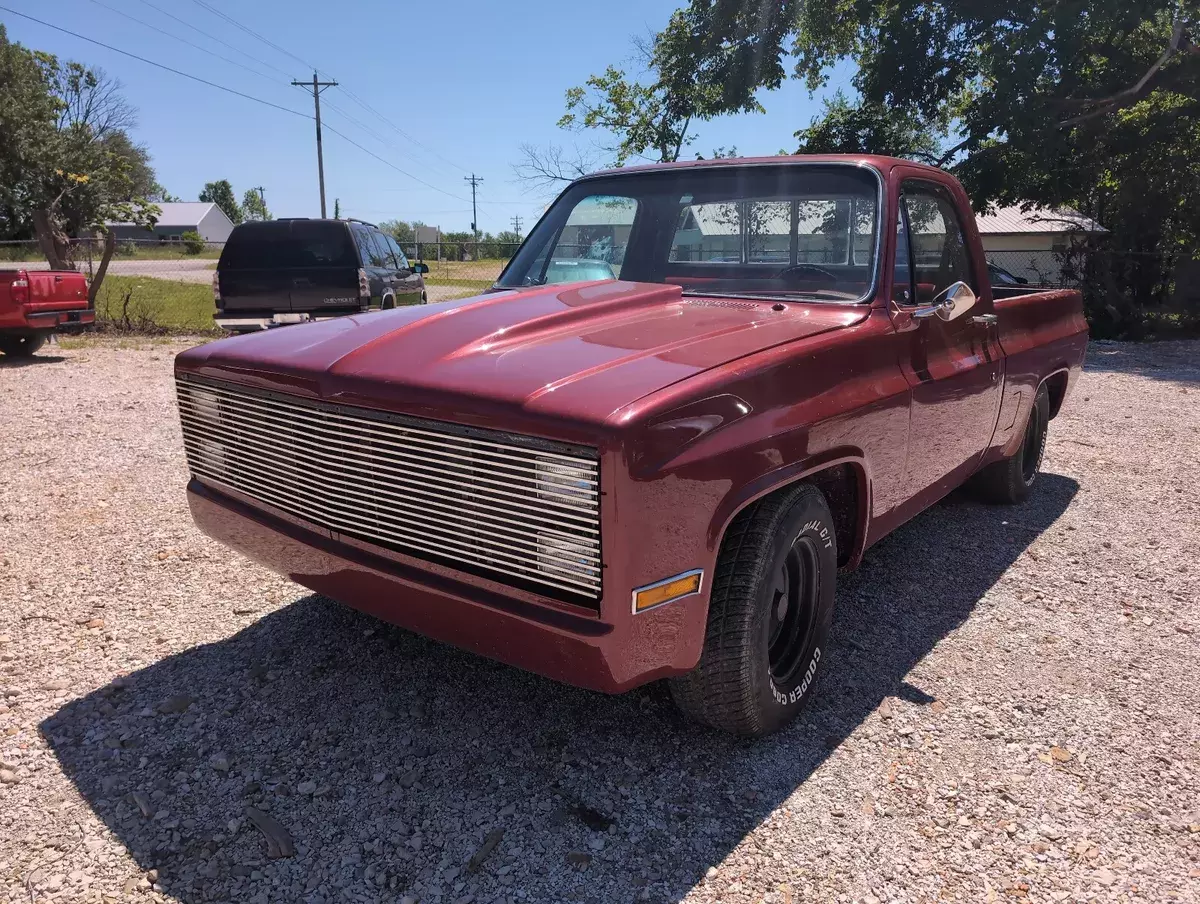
(316, 90)
(474, 180)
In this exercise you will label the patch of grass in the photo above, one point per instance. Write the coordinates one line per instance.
(145, 304)
(478, 285)
(486, 270)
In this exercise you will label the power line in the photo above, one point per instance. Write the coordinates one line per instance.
(516, 224)
(366, 106)
(194, 78)
(161, 31)
(234, 22)
(213, 37)
(354, 97)
(389, 163)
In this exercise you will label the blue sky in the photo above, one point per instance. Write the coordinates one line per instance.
(470, 80)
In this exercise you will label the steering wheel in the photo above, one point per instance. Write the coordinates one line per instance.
(807, 273)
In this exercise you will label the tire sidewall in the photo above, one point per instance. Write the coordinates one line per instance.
(1039, 420)
(808, 518)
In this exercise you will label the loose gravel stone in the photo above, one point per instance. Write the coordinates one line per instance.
(1009, 712)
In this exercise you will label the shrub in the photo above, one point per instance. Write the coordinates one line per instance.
(193, 242)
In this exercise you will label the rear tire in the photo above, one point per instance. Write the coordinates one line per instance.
(22, 346)
(769, 616)
(1010, 480)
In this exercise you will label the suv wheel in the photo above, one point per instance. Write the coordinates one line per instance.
(769, 616)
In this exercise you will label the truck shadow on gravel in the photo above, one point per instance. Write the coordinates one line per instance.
(390, 760)
(9, 363)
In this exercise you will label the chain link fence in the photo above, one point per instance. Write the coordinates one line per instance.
(1127, 294)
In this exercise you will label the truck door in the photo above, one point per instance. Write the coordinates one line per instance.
(953, 365)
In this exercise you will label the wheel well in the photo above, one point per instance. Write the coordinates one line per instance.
(1056, 386)
(839, 484)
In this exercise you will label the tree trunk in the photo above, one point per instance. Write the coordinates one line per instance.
(110, 245)
(55, 245)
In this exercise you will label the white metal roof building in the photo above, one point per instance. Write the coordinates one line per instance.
(178, 217)
(1033, 244)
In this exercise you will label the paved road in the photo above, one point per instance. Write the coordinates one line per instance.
(191, 270)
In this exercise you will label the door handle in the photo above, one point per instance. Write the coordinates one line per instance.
(985, 319)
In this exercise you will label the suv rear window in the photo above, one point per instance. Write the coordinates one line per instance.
(286, 244)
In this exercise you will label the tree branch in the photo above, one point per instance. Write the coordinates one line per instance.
(1136, 92)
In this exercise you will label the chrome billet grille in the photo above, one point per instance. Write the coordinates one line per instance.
(516, 509)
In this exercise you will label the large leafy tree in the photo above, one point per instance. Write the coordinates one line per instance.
(1089, 103)
(221, 194)
(66, 162)
(254, 207)
(849, 127)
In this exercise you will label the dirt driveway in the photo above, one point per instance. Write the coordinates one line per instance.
(1012, 712)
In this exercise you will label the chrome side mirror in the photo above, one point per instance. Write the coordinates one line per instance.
(957, 299)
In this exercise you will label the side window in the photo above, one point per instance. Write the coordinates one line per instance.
(401, 260)
(366, 247)
(383, 254)
(939, 250)
(902, 277)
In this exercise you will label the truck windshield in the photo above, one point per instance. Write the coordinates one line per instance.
(797, 230)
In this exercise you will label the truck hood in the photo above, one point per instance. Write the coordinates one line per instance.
(579, 352)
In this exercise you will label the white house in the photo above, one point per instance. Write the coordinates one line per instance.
(1031, 243)
(178, 217)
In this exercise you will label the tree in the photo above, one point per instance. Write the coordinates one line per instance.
(90, 98)
(1079, 104)
(548, 169)
(844, 127)
(254, 207)
(28, 118)
(66, 166)
(221, 194)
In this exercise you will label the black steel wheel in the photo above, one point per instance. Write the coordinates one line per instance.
(1011, 479)
(769, 616)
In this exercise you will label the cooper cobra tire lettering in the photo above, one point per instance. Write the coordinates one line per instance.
(798, 692)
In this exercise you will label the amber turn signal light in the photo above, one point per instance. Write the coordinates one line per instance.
(668, 590)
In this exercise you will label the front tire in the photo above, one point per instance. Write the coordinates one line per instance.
(769, 616)
(22, 346)
(1010, 480)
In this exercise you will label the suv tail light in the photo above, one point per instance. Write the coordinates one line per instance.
(19, 288)
(364, 285)
(217, 288)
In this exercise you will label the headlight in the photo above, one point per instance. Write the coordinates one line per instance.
(202, 428)
(565, 547)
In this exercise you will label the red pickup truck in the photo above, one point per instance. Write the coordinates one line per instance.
(34, 304)
(653, 475)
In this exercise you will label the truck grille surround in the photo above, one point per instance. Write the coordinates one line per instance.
(515, 509)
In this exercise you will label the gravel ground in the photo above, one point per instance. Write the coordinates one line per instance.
(1011, 712)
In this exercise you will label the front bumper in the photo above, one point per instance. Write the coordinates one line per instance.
(608, 654)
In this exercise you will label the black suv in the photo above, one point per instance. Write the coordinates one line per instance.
(292, 270)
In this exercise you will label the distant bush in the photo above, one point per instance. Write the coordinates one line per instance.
(193, 242)
(126, 249)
